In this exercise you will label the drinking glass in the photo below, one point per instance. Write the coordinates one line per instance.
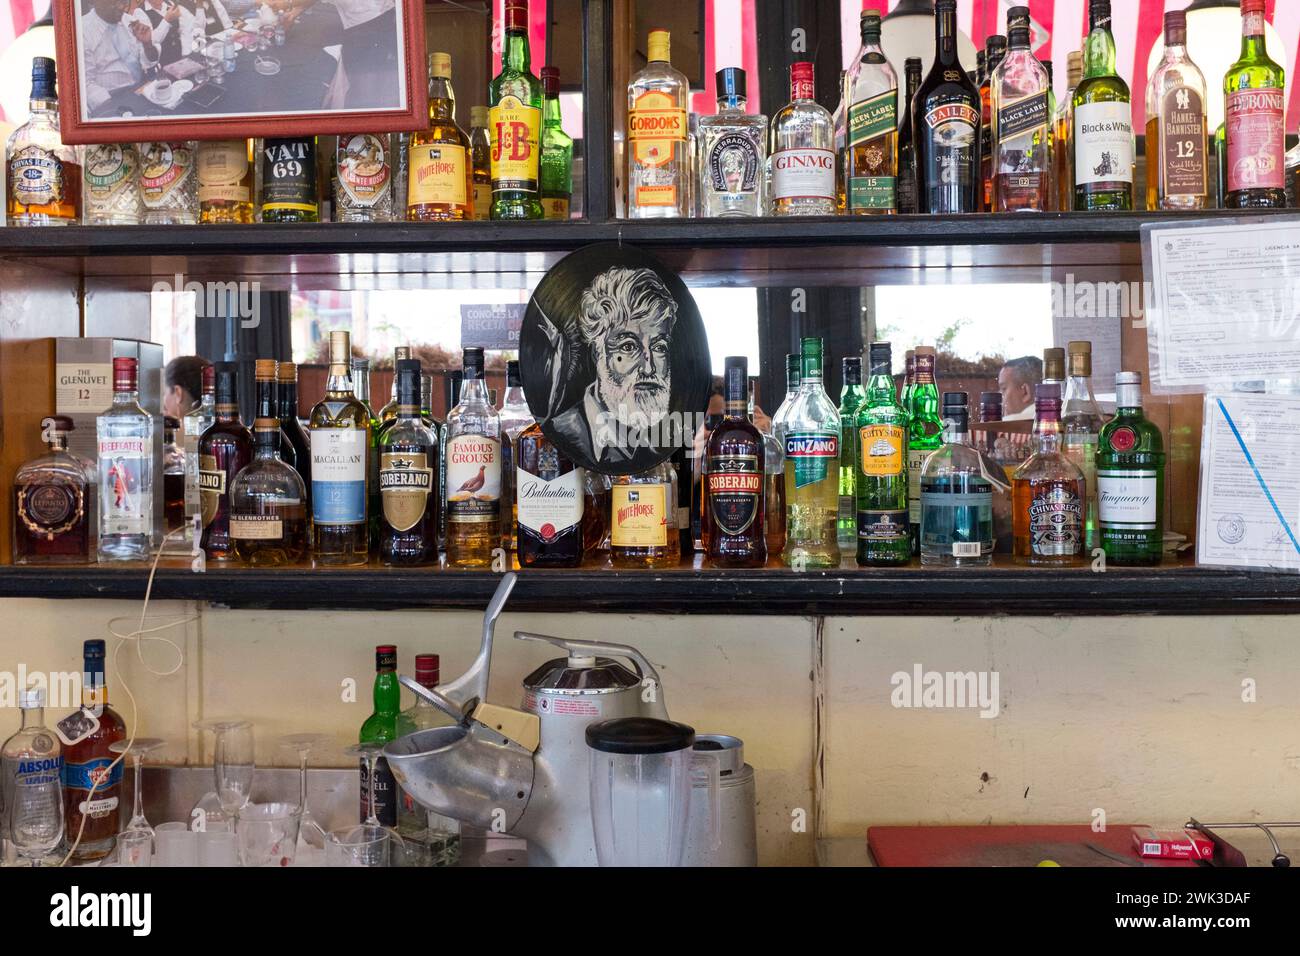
(267, 833)
(177, 845)
(363, 845)
(217, 848)
(302, 744)
(232, 766)
(36, 817)
(136, 750)
(134, 848)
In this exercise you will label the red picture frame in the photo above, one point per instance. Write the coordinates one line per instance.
(79, 128)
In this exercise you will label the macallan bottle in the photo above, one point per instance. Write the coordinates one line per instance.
(408, 478)
(515, 124)
(550, 495)
(1047, 491)
(734, 511)
(440, 184)
(225, 448)
(473, 472)
(658, 154)
(1256, 120)
(340, 448)
(1177, 140)
(946, 127)
(43, 175)
(226, 180)
(86, 762)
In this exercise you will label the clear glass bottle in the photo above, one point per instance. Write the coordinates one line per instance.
(363, 178)
(883, 538)
(226, 174)
(872, 175)
(1081, 423)
(732, 153)
(125, 435)
(658, 160)
(803, 151)
(643, 527)
(1255, 127)
(196, 421)
(111, 190)
(956, 495)
(473, 471)
(1130, 468)
(1177, 144)
(340, 448)
(1104, 150)
(557, 151)
(31, 773)
(440, 171)
(852, 396)
(54, 502)
(440, 834)
(515, 417)
(1022, 124)
(1063, 140)
(408, 473)
(1048, 492)
(169, 187)
(515, 122)
(812, 454)
(268, 504)
(480, 151)
(43, 174)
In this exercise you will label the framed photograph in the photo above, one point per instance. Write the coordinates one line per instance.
(145, 70)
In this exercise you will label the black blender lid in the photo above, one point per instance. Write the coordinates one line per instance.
(639, 735)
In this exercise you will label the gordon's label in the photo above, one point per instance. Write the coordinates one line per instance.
(1127, 499)
(881, 447)
(1256, 139)
(815, 456)
(803, 173)
(125, 503)
(473, 479)
(1056, 521)
(639, 516)
(873, 117)
(1183, 143)
(1103, 144)
(212, 487)
(222, 168)
(437, 174)
(338, 475)
(656, 128)
(405, 483)
(36, 177)
(110, 169)
(548, 509)
(516, 131)
(735, 486)
(165, 168)
(364, 173)
(256, 527)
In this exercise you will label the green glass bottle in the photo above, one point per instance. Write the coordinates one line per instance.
(881, 481)
(1131, 480)
(1255, 129)
(1104, 149)
(852, 395)
(515, 124)
(381, 728)
(557, 151)
(924, 434)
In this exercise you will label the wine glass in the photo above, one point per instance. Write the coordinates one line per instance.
(36, 815)
(137, 749)
(302, 745)
(370, 843)
(232, 767)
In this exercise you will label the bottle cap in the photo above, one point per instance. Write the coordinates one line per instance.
(125, 371)
(478, 116)
(94, 648)
(513, 378)
(955, 399)
(264, 370)
(516, 17)
(58, 424)
(440, 65)
(31, 699)
(454, 378)
(386, 657)
(1252, 6)
(210, 377)
(729, 82)
(360, 364)
(1128, 378)
(340, 348)
(401, 352)
(472, 360)
(659, 47)
(551, 81)
(408, 381)
(802, 80)
(1047, 392)
(869, 25)
(227, 383)
(912, 65)
(1176, 22)
(881, 358)
(1099, 13)
(1054, 363)
(427, 667)
(44, 78)
(852, 370)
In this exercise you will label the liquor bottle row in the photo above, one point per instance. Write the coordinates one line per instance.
(997, 141)
(439, 173)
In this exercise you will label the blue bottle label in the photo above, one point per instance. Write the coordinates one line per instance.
(338, 475)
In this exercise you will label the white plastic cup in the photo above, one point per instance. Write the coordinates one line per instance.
(176, 845)
(217, 848)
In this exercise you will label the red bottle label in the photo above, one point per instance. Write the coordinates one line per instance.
(1256, 130)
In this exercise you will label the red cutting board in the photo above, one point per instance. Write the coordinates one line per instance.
(1004, 846)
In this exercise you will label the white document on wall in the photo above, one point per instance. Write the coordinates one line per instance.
(1224, 302)
(1250, 482)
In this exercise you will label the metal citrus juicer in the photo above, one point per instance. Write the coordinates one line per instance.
(525, 771)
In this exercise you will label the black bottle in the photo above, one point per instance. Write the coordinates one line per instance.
(907, 188)
(946, 126)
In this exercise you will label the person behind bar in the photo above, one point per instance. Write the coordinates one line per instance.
(117, 50)
(183, 384)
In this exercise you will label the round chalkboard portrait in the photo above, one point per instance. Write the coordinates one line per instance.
(614, 359)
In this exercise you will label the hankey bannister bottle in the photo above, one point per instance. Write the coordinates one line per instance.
(872, 174)
(1131, 480)
(169, 187)
(734, 507)
(473, 471)
(515, 124)
(881, 482)
(1255, 128)
(659, 168)
(1104, 151)
(733, 152)
(268, 504)
(812, 455)
(111, 190)
(43, 175)
(946, 127)
(1022, 124)
(125, 435)
(956, 495)
(408, 474)
(381, 728)
(224, 449)
(803, 151)
(1048, 492)
(87, 734)
(54, 503)
(1177, 144)
(340, 446)
(440, 174)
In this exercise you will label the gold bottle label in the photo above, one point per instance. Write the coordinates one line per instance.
(222, 170)
(516, 131)
(36, 177)
(256, 527)
(405, 482)
(110, 168)
(437, 175)
(483, 201)
(640, 516)
(164, 168)
(212, 485)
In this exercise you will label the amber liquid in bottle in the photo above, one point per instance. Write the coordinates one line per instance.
(440, 186)
(551, 495)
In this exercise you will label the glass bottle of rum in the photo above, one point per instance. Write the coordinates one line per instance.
(515, 124)
(550, 501)
(1104, 151)
(803, 151)
(88, 732)
(658, 160)
(340, 449)
(54, 502)
(169, 186)
(1255, 127)
(473, 475)
(881, 483)
(112, 185)
(557, 151)
(906, 142)
(363, 178)
(408, 473)
(642, 521)
(1178, 153)
(872, 176)
(224, 449)
(733, 151)
(1022, 124)
(1131, 480)
(812, 455)
(289, 192)
(440, 181)
(1047, 492)
(1081, 422)
(480, 152)
(734, 508)
(226, 176)
(946, 127)
(125, 435)
(43, 175)
(268, 504)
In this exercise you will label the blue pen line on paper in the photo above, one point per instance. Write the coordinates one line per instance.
(1258, 477)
